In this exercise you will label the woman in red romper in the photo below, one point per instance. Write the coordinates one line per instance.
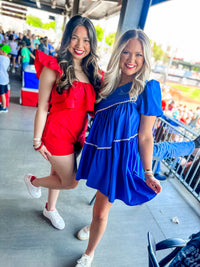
(68, 85)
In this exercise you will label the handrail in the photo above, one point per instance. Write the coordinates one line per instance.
(185, 169)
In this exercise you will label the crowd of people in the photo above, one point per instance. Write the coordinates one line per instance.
(180, 111)
(23, 47)
(16, 52)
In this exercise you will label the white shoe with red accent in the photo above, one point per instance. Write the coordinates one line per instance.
(84, 261)
(55, 218)
(34, 191)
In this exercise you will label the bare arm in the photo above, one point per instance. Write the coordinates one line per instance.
(46, 83)
(32, 55)
(146, 150)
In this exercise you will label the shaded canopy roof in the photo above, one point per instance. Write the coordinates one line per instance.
(94, 9)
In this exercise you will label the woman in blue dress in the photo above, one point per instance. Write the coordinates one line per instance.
(117, 155)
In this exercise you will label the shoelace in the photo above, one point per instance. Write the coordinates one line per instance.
(87, 229)
(55, 213)
(84, 260)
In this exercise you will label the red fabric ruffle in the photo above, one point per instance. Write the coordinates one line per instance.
(43, 60)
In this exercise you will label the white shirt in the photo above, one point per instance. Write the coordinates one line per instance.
(14, 47)
(1, 38)
(4, 64)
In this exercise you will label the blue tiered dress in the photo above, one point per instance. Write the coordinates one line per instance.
(110, 158)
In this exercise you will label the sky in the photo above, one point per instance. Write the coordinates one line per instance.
(176, 23)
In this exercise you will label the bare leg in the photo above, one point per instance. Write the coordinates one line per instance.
(99, 221)
(3, 100)
(54, 193)
(13, 60)
(63, 176)
(52, 196)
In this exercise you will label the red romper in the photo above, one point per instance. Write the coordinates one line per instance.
(67, 120)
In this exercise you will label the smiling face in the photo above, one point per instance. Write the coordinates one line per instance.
(79, 46)
(131, 60)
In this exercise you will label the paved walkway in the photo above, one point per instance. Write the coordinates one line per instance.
(27, 239)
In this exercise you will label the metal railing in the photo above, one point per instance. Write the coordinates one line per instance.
(186, 169)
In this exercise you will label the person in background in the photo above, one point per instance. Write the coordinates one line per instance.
(43, 46)
(14, 51)
(15, 35)
(27, 39)
(117, 155)
(32, 60)
(4, 77)
(19, 57)
(25, 54)
(1, 36)
(34, 41)
(195, 118)
(20, 37)
(51, 49)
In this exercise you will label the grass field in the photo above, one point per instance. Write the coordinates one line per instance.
(188, 91)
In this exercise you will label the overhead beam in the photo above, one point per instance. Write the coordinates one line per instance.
(75, 9)
(92, 8)
(32, 4)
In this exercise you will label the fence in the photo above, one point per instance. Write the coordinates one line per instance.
(186, 169)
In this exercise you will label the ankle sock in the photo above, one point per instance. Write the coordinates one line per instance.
(32, 179)
(46, 206)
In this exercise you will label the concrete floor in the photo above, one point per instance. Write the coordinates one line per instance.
(28, 239)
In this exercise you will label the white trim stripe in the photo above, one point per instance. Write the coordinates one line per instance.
(113, 105)
(114, 141)
(126, 139)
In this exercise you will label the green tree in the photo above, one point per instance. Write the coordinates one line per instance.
(196, 68)
(157, 52)
(100, 33)
(109, 40)
(34, 21)
(49, 25)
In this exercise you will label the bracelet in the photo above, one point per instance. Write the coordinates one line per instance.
(36, 139)
(148, 171)
(38, 147)
(149, 175)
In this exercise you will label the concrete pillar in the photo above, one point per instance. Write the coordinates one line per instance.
(133, 15)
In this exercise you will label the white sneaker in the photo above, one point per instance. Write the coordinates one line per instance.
(84, 261)
(13, 70)
(84, 233)
(55, 218)
(34, 191)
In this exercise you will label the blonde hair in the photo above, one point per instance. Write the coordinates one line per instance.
(113, 74)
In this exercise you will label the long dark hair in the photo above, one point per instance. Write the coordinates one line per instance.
(89, 63)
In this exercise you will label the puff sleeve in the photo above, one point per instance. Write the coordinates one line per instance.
(149, 101)
(43, 60)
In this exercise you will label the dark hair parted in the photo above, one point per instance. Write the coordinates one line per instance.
(89, 63)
